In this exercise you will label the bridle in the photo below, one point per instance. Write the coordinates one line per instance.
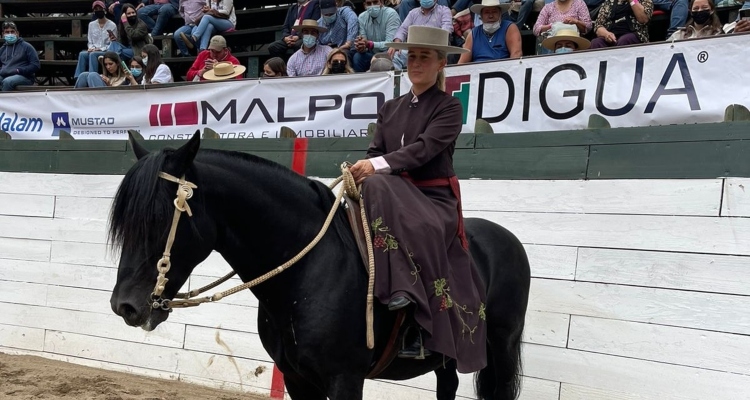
(190, 299)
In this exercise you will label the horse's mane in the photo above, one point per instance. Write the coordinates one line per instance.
(140, 210)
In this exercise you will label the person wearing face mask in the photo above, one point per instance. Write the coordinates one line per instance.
(136, 70)
(156, 71)
(98, 40)
(495, 38)
(429, 13)
(341, 24)
(564, 11)
(19, 61)
(337, 63)
(133, 34)
(703, 22)
(291, 40)
(377, 26)
(311, 58)
(217, 52)
(565, 39)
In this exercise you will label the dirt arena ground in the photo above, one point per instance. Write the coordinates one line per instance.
(30, 377)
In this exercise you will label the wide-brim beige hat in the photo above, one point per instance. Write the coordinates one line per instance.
(429, 38)
(477, 8)
(310, 24)
(224, 70)
(566, 34)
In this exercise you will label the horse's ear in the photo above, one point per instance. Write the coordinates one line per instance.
(138, 150)
(185, 155)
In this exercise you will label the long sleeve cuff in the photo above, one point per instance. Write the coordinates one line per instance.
(380, 164)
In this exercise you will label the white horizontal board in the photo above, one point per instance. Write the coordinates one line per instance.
(550, 329)
(622, 196)
(21, 337)
(27, 205)
(109, 326)
(225, 342)
(213, 266)
(626, 375)
(59, 184)
(690, 347)
(58, 274)
(646, 232)
(114, 351)
(539, 389)
(22, 293)
(685, 271)
(716, 312)
(736, 198)
(555, 262)
(66, 230)
(82, 207)
(73, 298)
(224, 385)
(84, 254)
(215, 315)
(576, 392)
(24, 249)
(230, 369)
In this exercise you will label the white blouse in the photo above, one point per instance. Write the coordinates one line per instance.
(162, 75)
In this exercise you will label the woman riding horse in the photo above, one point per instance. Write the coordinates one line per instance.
(413, 203)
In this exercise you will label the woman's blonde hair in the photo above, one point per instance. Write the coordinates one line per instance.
(329, 62)
(441, 74)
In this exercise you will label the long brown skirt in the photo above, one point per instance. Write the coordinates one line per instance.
(418, 254)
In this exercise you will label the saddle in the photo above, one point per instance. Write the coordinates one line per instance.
(353, 212)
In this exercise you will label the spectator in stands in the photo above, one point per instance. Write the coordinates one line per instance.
(115, 7)
(192, 12)
(113, 75)
(217, 52)
(274, 68)
(518, 11)
(19, 61)
(677, 9)
(217, 17)
(381, 64)
(495, 38)
(136, 69)
(310, 59)
(225, 70)
(346, 3)
(98, 40)
(428, 14)
(156, 71)
(304, 9)
(161, 10)
(622, 22)
(565, 11)
(703, 21)
(565, 39)
(337, 63)
(406, 6)
(341, 24)
(132, 34)
(377, 26)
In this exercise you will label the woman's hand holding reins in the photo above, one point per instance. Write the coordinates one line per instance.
(361, 170)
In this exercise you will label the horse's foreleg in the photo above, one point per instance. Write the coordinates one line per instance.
(346, 387)
(300, 388)
(447, 381)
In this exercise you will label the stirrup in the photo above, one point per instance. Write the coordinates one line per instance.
(423, 353)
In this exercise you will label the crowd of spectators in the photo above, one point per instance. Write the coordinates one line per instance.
(328, 37)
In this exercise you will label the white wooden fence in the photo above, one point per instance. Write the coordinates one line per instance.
(640, 290)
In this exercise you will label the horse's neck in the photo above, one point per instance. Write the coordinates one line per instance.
(263, 216)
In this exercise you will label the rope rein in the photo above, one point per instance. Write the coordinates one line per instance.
(190, 299)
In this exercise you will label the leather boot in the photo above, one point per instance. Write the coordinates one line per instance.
(415, 350)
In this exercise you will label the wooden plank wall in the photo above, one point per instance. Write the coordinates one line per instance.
(640, 290)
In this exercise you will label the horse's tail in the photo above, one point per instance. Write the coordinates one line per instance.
(501, 378)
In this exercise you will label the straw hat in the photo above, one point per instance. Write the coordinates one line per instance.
(310, 24)
(566, 34)
(224, 70)
(427, 37)
(477, 8)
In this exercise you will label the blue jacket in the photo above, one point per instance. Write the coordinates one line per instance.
(19, 58)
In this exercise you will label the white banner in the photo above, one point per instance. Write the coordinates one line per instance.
(322, 106)
(685, 82)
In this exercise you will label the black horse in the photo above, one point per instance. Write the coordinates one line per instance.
(257, 214)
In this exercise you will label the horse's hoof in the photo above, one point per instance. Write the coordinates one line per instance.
(398, 303)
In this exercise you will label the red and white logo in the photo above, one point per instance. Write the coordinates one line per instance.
(174, 114)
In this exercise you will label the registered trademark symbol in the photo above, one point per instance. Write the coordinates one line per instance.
(702, 57)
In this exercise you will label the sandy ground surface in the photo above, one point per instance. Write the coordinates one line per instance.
(30, 377)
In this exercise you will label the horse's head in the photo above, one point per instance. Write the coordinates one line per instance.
(140, 223)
